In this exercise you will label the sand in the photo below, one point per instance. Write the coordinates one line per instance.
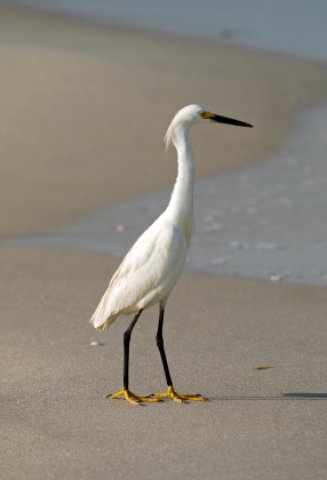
(84, 110)
(258, 424)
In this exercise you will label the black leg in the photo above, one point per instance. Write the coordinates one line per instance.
(160, 344)
(171, 392)
(127, 337)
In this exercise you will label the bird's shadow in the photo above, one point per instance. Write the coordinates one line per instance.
(282, 396)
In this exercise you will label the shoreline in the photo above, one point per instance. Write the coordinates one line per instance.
(240, 156)
(256, 222)
(99, 85)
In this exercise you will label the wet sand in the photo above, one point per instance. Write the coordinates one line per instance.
(84, 111)
(258, 424)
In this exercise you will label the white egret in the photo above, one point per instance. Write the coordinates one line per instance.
(151, 268)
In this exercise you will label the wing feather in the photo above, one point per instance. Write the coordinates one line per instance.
(146, 273)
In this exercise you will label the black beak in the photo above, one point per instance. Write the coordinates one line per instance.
(229, 121)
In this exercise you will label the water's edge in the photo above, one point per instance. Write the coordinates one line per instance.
(266, 222)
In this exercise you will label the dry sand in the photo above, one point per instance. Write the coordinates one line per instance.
(83, 112)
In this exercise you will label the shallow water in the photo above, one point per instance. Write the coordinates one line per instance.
(268, 221)
(297, 27)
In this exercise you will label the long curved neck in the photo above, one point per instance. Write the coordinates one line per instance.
(180, 208)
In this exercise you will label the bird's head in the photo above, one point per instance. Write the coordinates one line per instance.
(193, 114)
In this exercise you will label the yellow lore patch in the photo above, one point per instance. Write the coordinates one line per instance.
(207, 115)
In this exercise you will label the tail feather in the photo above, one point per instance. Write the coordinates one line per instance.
(101, 318)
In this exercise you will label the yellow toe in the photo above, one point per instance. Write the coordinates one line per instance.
(131, 397)
(179, 397)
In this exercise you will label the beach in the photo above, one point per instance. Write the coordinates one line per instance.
(84, 111)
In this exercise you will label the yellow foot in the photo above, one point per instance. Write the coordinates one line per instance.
(131, 397)
(179, 397)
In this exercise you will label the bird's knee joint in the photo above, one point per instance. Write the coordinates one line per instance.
(160, 341)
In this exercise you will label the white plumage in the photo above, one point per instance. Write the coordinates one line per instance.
(146, 275)
(153, 265)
